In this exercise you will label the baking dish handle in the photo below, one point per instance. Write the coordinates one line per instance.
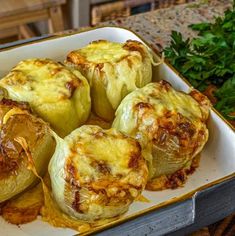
(158, 222)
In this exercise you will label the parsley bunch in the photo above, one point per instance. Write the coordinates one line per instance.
(209, 59)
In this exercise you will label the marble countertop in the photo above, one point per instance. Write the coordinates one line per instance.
(156, 26)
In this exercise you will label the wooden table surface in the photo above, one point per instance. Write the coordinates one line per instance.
(12, 7)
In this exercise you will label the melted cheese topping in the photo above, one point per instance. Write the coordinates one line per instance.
(103, 51)
(59, 95)
(170, 126)
(17, 121)
(41, 197)
(38, 81)
(113, 70)
(97, 173)
(112, 150)
(52, 214)
(160, 100)
(12, 112)
(50, 211)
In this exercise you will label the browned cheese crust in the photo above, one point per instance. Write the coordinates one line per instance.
(171, 127)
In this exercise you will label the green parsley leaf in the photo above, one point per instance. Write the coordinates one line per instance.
(209, 59)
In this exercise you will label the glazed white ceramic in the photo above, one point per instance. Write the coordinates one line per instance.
(217, 159)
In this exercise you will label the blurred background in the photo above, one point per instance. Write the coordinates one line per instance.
(22, 19)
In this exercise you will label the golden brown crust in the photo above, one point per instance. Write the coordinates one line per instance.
(130, 45)
(170, 126)
(176, 125)
(25, 208)
(108, 188)
(72, 86)
(103, 171)
(76, 58)
(175, 180)
(58, 94)
(133, 45)
(22, 215)
(199, 97)
(113, 70)
(12, 154)
(165, 85)
(203, 101)
(8, 104)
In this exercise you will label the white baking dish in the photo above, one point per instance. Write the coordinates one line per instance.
(217, 159)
